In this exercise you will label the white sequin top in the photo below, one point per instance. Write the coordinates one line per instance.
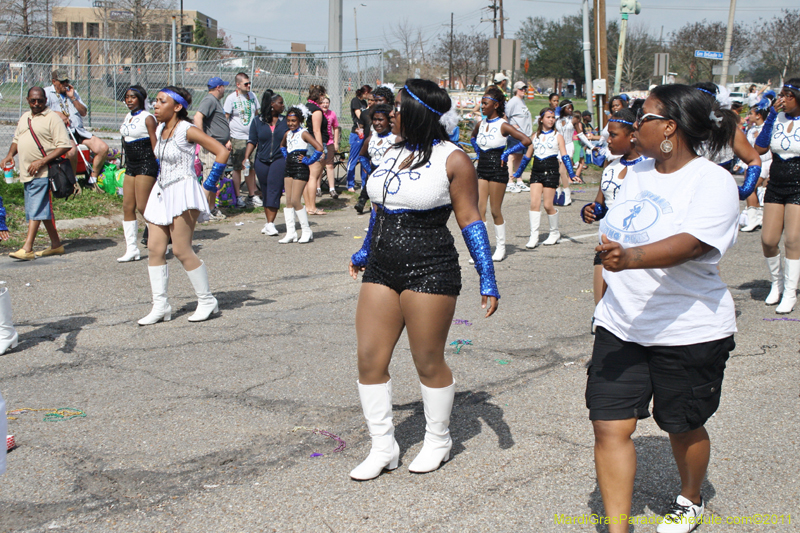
(176, 155)
(134, 127)
(786, 145)
(295, 142)
(610, 182)
(545, 144)
(419, 189)
(490, 136)
(378, 145)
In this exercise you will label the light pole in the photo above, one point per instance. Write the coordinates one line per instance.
(726, 61)
(626, 7)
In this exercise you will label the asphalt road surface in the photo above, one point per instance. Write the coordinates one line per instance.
(208, 426)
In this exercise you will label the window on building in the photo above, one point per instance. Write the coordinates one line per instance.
(77, 29)
(93, 30)
(187, 35)
(61, 29)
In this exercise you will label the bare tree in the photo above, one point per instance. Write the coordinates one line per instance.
(26, 17)
(705, 35)
(640, 48)
(470, 55)
(780, 53)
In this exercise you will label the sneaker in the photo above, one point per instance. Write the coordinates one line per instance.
(319, 192)
(269, 229)
(522, 187)
(683, 516)
(511, 187)
(253, 201)
(216, 214)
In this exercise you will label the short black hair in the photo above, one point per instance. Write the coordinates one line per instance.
(36, 88)
(385, 93)
(587, 114)
(384, 109)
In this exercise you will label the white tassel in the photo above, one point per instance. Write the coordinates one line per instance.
(449, 120)
(715, 118)
(304, 110)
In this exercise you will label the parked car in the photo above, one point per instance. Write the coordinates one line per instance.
(739, 98)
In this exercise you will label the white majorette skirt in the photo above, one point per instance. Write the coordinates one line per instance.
(178, 197)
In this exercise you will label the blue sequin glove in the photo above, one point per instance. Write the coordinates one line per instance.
(3, 226)
(474, 142)
(213, 178)
(285, 152)
(517, 148)
(313, 159)
(598, 209)
(750, 179)
(478, 245)
(366, 164)
(522, 166)
(361, 257)
(764, 138)
(568, 164)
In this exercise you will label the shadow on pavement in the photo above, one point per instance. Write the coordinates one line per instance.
(657, 482)
(72, 326)
(759, 288)
(228, 300)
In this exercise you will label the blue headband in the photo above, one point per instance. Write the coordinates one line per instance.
(417, 98)
(620, 121)
(707, 91)
(175, 96)
(490, 98)
(791, 87)
(134, 89)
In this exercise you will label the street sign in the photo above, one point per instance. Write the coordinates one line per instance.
(661, 65)
(16, 65)
(733, 70)
(705, 54)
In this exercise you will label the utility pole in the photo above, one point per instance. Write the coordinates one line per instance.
(726, 58)
(502, 32)
(587, 54)
(450, 78)
(335, 61)
(358, 59)
(602, 53)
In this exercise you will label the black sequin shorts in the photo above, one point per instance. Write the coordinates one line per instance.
(491, 167)
(545, 171)
(140, 159)
(783, 186)
(295, 169)
(414, 251)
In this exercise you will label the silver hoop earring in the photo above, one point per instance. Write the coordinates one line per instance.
(666, 145)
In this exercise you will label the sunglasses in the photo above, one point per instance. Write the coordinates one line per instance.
(37, 100)
(397, 108)
(642, 117)
(247, 84)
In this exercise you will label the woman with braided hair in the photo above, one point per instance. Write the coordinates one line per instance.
(412, 277)
(489, 139)
(781, 136)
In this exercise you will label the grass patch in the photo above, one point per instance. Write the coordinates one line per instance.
(88, 204)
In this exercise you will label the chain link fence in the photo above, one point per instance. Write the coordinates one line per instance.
(101, 70)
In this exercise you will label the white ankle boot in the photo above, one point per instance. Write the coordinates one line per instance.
(776, 276)
(791, 273)
(753, 219)
(555, 235)
(159, 281)
(9, 338)
(500, 242)
(130, 229)
(567, 196)
(307, 235)
(535, 219)
(291, 233)
(206, 303)
(437, 444)
(376, 401)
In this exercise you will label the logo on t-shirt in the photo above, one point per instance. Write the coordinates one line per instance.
(629, 221)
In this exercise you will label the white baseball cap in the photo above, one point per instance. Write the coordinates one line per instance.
(500, 77)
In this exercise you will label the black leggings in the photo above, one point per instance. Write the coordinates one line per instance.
(270, 179)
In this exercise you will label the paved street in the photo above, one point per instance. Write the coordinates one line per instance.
(194, 427)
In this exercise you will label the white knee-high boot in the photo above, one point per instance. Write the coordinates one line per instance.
(206, 303)
(307, 235)
(791, 275)
(776, 276)
(159, 281)
(130, 229)
(9, 338)
(567, 196)
(376, 401)
(500, 242)
(291, 233)
(536, 220)
(438, 443)
(554, 233)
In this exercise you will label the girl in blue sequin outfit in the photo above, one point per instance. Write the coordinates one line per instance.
(411, 271)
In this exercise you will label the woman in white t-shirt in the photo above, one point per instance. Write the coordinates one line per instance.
(665, 325)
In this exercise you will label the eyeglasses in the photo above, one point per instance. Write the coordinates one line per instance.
(37, 100)
(397, 108)
(642, 117)
(247, 84)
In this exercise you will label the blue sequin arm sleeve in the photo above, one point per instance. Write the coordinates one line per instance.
(764, 138)
(360, 258)
(474, 142)
(522, 166)
(3, 226)
(568, 164)
(478, 245)
(750, 179)
(517, 148)
(213, 177)
(366, 164)
(312, 159)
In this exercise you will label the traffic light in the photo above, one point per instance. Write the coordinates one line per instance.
(630, 7)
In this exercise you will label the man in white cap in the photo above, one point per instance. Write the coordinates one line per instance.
(501, 80)
(519, 116)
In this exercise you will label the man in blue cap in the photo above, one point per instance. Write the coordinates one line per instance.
(210, 117)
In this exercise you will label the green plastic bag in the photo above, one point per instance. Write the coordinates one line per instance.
(107, 181)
